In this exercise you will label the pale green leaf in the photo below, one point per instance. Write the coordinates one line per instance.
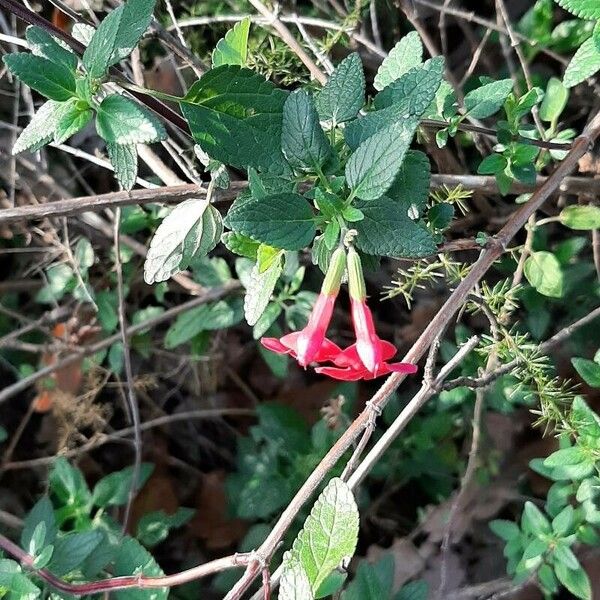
(72, 120)
(584, 64)
(83, 33)
(233, 48)
(40, 130)
(259, 289)
(555, 100)
(486, 100)
(154, 527)
(43, 44)
(544, 273)
(586, 9)
(124, 159)
(344, 93)
(407, 53)
(575, 580)
(294, 583)
(123, 121)
(580, 218)
(240, 244)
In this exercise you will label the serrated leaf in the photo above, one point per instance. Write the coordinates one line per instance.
(303, 142)
(83, 33)
(372, 168)
(72, 119)
(240, 244)
(117, 35)
(281, 220)
(55, 81)
(124, 159)
(131, 559)
(294, 583)
(233, 48)
(259, 289)
(387, 230)
(122, 121)
(40, 130)
(235, 115)
(544, 273)
(207, 317)
(407, 53)
(43, 44)
(344, 93)
(580, 218)
(192, 229)
(418, 86)
(412, 182)
(584, 64)
(72, 549)
(486, 100)
(15, 583)
(329, 535)
(586, 9)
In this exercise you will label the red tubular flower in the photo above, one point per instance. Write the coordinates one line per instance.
(310, 344)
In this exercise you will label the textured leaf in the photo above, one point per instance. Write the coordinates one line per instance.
(387, 230)
(405, 55)
(303, 142)
(72, 549)
(543, 272)
(40, 130)
(260, 288)
(240, 244)
(575, 580)
(586, 9)
(43, 44)
(235, 115)
(329, 534)
(281, 220)
(344, 93)
(419, 85)
(412, 182)
(15, 583)
(83, 33)
(72, 120)
(373, 166)
(133, 558)
(487, 99)
(584, 64)
(123, 121)
(294, 583)
(189, 230)
(55, 81)
(233, 48)
(580, 218)
(124, 159)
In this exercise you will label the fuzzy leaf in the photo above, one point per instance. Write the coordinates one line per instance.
(585, 9)
(411, 185)
(124, 159)
(584, 64)
(260, 286)
(344, 93)
(55, 81)
(387, 230)
(123, 121)
(43, 44)
(294, 584)
(72, 120)
(235, 115)
(488, 99)
(281, 220)
(405, 55)
(240, 244)
(40, 130)
(303, 142)
(233, 48)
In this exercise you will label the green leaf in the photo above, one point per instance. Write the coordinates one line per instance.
(235, 115)
(555, 100)
(492, 164)
(586, 9)
(303, 142)
(488, 99)
(260, 288)
(55, 81)
(575, 580)
(14, 583)
(565, 456)
(588, 370)
(72, 120)
(131, 559)
(42, 512)
(117, 35)
(507, 530)
(240, 244)
(387, 230)
(533, 520)
(43, 44)
(124, 159)
(440, 216)
(372, 168)
(562, 524)
(40, 130)
(543, 272)
(3, 434)
(207, 317)
(411, 185)
(233, 48)
(294, 583)
(266, 256)
(72, 549)
(406, 54)
(68, 483)
(329, 535)
(344, 93)
(417, 86)
(83, 33)
(192, 229)
(581, 218)
(281, 220)
(123, 121)
(113, 490)
(584, 64)
(154, 527)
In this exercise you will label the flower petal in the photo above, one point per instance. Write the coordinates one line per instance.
(342, 374)
(275, 345)
(387, 349)
(401, 367)
(328, 351)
